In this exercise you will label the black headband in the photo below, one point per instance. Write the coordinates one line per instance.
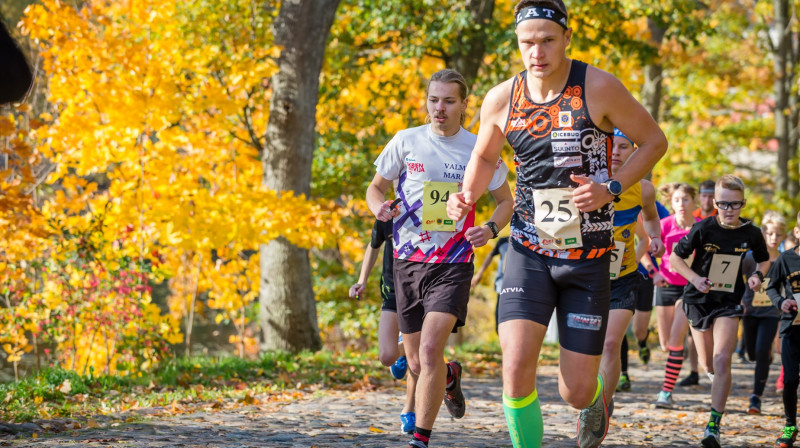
(538, 12)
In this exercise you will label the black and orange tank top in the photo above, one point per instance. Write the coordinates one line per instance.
(551, 141)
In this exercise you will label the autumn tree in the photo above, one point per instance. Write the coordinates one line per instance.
(288, 314)
(783, 41)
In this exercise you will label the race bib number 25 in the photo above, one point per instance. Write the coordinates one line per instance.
(558, 221)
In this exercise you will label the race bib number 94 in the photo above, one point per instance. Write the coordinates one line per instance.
(434, 206)
(723, 272)
(558, 221)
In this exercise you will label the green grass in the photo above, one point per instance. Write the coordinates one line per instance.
(54, 392)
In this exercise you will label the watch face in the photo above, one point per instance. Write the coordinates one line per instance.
(614, 187)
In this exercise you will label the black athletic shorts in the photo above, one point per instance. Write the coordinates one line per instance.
(579, 291)
(702, 315)
(668, 295)
(625, 291)
(424, 287)
(644, 301)
(388, 296)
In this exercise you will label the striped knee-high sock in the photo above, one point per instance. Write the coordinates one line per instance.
(673, 368)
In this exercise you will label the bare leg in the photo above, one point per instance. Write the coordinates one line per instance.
(388, 350)
(610, 364)
(433, 371)
(664, 317)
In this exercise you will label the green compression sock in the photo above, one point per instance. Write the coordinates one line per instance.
(599, 389)
(524, 418)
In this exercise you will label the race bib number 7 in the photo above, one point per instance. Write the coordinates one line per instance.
(723, 272)
(558, 221)
(434, 206)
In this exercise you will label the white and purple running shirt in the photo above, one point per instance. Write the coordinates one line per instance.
(411, 158)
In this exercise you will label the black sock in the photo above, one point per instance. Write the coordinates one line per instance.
(449, 380)
(624, 354)
(423, 435)
(643, 342)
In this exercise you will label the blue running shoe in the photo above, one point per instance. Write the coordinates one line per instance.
(399, 368)
(407, 422)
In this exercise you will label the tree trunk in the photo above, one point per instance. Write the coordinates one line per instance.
(472, 41)
(287, 308)
(653, 72)
(785, 60)
(653, 75)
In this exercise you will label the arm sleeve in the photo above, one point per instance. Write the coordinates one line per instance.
(776, 274)
(760, 251)
(377, 236)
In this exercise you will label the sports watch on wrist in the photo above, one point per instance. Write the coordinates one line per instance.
(493, 227)
(614, 187)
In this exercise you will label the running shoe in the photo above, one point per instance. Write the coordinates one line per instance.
(644, 354)
(664, 400)
(593, 422)
(453, 397)
(711, 436)
(692, 380)
(786, 440)
(399, 368)
(417, 444)
(407, 422)
(710, 376)
(755, 405)
(624, 384)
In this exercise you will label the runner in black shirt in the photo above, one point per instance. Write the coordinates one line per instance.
(714, 292)
(784, 292)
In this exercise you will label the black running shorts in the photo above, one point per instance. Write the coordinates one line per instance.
(702, 315)
(535, 284)
(625, 291)
(668, 295)
(388, 296)
(424, 287)
(644, 301)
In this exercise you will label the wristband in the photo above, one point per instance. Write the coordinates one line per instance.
(759, 274)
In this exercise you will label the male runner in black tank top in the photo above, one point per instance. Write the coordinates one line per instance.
(558, 116)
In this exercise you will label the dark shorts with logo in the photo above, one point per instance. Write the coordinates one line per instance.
(388, 296)
(424, 287)
(668, 295)
(625, 291)
(644, 300)
(702, 315)
(579, 290)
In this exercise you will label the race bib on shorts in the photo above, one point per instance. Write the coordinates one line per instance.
(760, 297)
(434, 206)
(616, 259)
(723, 272)
(558, 221)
